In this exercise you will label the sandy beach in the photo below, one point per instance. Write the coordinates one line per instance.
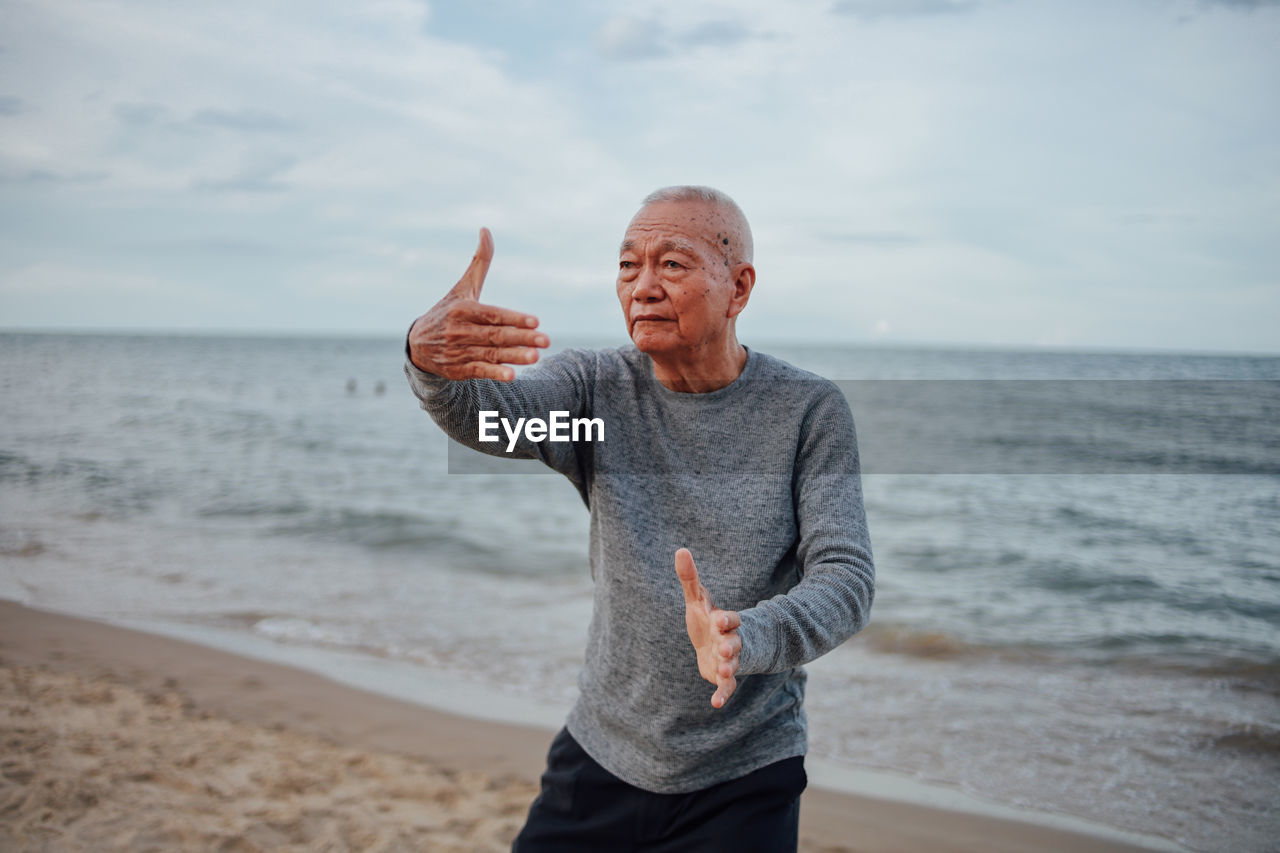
(120, 740)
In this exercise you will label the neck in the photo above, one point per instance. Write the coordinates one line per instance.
(705, 370)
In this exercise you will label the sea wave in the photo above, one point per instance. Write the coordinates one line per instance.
(254, 509)
(901, 639)
(1187, 654)
(434, 538)
(1251, 738)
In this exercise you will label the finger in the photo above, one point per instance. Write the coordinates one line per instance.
(486, 370)
(727, 668)
(730, 646)
(472, 280)
(507, 336)
(688, 574)
(724, 691)
(492, 315)
(504, 355)
(728, 620)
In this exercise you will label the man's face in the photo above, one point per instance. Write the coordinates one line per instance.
(676, 278)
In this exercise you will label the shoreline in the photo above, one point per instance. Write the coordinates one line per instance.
(370, 705)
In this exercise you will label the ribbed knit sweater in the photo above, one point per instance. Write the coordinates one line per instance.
(760, 481)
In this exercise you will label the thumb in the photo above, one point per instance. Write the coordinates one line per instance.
(688, 574)
(468, 287)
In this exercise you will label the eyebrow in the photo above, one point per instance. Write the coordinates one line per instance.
(665, 246)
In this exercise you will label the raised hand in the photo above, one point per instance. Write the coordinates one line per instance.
(461, 339)
(713, 632)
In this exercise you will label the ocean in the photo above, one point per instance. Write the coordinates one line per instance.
(1077, 553)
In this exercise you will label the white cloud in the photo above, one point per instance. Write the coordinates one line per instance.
(924, 165)
(872, 10)
(632, 38)
(628, 37)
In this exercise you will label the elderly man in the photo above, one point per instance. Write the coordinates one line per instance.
(709, 450)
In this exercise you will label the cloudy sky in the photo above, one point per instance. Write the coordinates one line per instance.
(985, 172)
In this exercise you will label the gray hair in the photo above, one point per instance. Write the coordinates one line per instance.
(727, 207)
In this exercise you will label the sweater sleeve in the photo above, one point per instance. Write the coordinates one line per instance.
(559, 383)
(832, 600)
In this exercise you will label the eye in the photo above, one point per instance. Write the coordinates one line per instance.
(672, 265)
(625, 265)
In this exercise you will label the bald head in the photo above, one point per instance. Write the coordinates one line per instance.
(729, 223)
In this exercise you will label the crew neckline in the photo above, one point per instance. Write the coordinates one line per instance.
(717, 394)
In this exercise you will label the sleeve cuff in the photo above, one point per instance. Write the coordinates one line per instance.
(759, 643)
(424, 384)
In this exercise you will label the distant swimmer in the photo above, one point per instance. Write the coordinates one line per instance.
(706, 450)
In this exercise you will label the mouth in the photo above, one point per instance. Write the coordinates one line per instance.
(655, 318)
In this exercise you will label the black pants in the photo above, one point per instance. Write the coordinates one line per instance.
(584, 807)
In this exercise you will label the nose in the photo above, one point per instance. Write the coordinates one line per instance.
(648, 288)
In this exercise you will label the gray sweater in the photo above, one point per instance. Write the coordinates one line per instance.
(760, 481)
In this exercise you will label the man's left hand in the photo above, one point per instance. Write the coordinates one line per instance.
(714, 633)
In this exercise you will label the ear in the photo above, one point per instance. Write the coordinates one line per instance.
(744, 279)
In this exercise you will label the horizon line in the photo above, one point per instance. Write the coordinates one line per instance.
(863, 343)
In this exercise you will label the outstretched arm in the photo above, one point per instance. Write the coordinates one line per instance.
(456, 363)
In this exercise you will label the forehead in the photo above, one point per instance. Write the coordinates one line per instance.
(680, 221)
